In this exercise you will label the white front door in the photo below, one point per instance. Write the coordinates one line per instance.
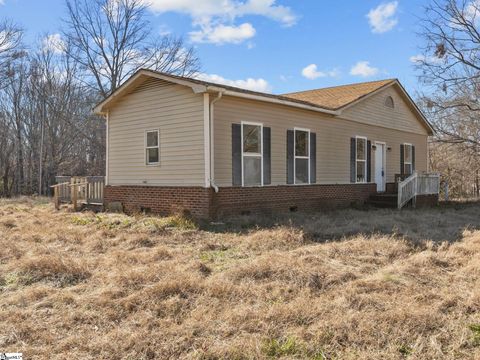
(380, 173)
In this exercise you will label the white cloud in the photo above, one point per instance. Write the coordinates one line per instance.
(212, 16)
(223, 34)
(311, 72)
(419, 59)
(363, 69)
(382, 18)
(202, 9)
(54, 43)
(260, 84)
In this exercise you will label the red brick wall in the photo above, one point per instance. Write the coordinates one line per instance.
(426, 201)
(161, 200)
(204, 203)
(237, 200)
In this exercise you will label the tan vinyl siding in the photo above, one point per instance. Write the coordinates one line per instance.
(373, 111)
(333, 140)
(178, 115)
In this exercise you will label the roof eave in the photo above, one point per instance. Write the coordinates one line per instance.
(197, 88)
(300, 105)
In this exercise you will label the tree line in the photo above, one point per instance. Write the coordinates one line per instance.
(48, 90)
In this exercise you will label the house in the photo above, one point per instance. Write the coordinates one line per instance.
(181, 144)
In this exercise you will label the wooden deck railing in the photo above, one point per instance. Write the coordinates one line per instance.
(417, 184)
(79, 190)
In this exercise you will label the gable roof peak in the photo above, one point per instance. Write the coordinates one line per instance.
(336, 97)
(361, 83)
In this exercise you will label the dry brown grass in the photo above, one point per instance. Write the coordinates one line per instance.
(350, 284)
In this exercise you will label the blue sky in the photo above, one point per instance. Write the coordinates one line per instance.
(277, 46)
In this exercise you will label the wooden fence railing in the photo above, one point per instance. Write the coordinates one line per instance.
(79, 190)
(417, 184)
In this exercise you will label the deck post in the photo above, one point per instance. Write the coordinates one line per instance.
(74, 196)
(87, 191)
(56, 197)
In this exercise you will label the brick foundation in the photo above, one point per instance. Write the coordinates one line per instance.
(426, 201)
(161, 200)
(238, 200)
(205, 203)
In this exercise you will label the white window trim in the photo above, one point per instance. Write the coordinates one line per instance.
(364, 161)
(152, 147)
(295, 157)
(260, 155)
(405, 162)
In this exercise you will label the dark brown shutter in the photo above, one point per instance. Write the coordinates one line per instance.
(267, 177)
(353, 158)
(413, 158)
(290, 156)
(369, 161)
(402, 159)
(237, 155)
(313, 158)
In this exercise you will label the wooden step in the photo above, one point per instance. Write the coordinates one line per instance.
(95, 207)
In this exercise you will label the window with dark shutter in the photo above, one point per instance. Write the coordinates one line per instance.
(302, 156)
(252, 145)
(313, 158)
(353, 156)
(290, 156)
(361, 159)
(408, 159)
(267, 177)
(402, 159)
(369, 161)
(413, 158)
(236, 155)
(251, 155)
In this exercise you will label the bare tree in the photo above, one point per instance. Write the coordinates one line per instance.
(450, 67)
(111, 39)
(10, 42)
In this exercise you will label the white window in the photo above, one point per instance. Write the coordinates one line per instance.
(408, 159)
(252, 158)
(361, 160)
(152, 147)
(302, 156)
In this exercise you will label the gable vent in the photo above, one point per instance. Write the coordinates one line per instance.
(150, 84)
(389, 102)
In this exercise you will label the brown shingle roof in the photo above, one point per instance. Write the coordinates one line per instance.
(338, 96)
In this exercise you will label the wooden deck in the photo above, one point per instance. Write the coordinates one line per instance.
(79, 191)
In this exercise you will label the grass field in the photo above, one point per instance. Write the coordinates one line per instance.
(351, 284)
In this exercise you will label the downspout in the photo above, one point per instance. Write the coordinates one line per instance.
(211, 134)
